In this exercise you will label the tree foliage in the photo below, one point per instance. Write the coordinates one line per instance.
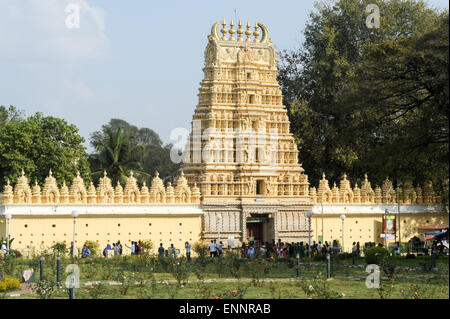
(374, 100)
(36, 145)
(122, 147)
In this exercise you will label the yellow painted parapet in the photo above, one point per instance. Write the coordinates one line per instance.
(386, 194)
(103, 194)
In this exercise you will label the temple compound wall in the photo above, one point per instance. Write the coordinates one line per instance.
(240, 178)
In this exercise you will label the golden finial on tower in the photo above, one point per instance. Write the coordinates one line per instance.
(232, 31)
(224, 30)
(248, 32)
(256, 33)
(240, 31)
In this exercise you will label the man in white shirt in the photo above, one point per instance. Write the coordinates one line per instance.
(212, 249)
(4, 249)
(220, 248)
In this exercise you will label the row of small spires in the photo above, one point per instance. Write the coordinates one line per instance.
(104, 193)
(345, 194)
(182, 193)
(240, 31)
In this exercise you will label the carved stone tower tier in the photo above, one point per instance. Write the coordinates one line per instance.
(241, 152)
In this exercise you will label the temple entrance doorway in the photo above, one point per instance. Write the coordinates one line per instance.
(257, 228)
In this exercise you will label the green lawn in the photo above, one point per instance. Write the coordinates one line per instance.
(411, 278)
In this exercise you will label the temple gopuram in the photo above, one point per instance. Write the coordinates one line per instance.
(240, 180)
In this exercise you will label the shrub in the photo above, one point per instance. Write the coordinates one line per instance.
(233, 294)
(375, 255)
(180, 269)
(258, 269)
(318, 288)
(220, 266)
(147, 246)
(126, 281)
(201, 249)
(16, 253)
(8, 265)
(96, 290)
(45, 289)
(8, 284)
(389, 265)
(60, 248)
(107, 271)
(320, 257)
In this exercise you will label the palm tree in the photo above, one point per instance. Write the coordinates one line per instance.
(117, 155)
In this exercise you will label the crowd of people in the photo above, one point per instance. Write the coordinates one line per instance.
(253, 249)
(135, 248)
(290, 250)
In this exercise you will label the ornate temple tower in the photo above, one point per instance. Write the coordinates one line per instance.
(241, 152)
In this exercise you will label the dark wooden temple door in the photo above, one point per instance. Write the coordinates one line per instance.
(255, 230)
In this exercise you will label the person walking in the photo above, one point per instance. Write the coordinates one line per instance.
(243, 250)
(4, 248)
(212, 249)
(116, 249)
(120, 247)
(132, 248)
(220, 249)
(188, 251)
(105, 251)
(172, 251)
(85, 252)
(161, 250)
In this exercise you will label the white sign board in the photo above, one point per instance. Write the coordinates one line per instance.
(388, 236)
(231, 241)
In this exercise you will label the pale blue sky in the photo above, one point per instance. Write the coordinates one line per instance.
(137, 60)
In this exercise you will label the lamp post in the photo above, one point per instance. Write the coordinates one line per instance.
(342, 218)
(386, 212)
(309, 215)
(8, 218)
(219, 224)
(321, 204)
(399, 184)
(74, 215)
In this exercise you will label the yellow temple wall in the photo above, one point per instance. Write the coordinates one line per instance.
(34, 234)
(368, 227)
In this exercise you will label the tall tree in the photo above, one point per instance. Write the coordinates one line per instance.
(117, 155)
(36, 145)
(9, 114)
(317, 78)
(152, 155)
(401, 92)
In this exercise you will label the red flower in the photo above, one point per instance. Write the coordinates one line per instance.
(216, 297)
